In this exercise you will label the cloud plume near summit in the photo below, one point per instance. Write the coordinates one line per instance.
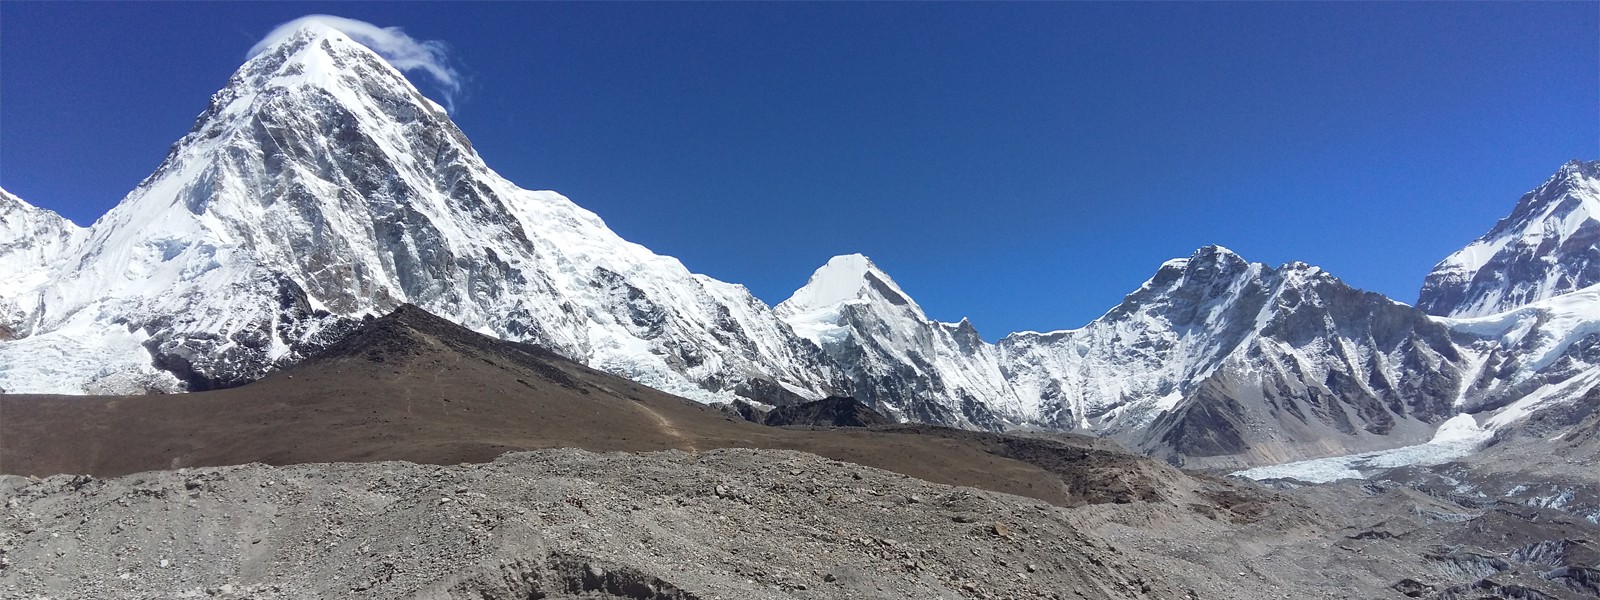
(402, 51)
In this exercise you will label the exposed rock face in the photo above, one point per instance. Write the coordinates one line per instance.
(1216, 361)
(898, 360)
(837, 411)
(1548, 246)
(1540, 356)
(1526, 298)
(320, 187)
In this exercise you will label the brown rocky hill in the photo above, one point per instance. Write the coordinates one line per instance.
(411, 386)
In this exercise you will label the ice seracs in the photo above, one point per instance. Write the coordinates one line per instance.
(33, 243)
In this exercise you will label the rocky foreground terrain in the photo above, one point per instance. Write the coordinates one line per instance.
(722, 524)
(328, 452)
(742, 523)
(418, 459)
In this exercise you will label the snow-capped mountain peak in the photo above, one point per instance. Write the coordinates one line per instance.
(1214, 355)
(816, 311)
(1548, 246)
(846, 278)
(29, 237)
(320, 186)
(320, 56)
(897, 359)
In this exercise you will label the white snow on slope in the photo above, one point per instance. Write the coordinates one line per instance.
(33, 245)
(1542, 331)
(320, 176)
(1546, 247)
(1539, 335)
(897, 358)
(842, 279)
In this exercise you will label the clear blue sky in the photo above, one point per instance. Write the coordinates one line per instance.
(1022, 164)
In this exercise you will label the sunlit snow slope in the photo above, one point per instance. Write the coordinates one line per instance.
(896, 358)
(1549, 245)
(33, 242)
(320, 187)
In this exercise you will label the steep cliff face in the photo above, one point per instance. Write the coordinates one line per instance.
(1548, 246)
(1542, 355)
(1526, 298)
(320, 186)
(1216, 361)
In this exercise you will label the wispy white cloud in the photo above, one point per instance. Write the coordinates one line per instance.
(403, 51)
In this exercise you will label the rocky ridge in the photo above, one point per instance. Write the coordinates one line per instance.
(1549, 245)
(1218, 358)
(1213, 362)
(320, 187)
(1216, 362)
(896, 359)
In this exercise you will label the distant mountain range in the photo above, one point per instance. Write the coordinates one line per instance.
(320, 188)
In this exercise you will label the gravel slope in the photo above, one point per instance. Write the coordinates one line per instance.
(720, 524)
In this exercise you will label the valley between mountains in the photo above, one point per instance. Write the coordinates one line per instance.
(325, 351)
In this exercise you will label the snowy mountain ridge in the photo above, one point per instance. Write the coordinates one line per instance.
(1548, 246)
(1216, 357)
(1349, 369)
(896, 358)
(1213, 362)
(320, 187)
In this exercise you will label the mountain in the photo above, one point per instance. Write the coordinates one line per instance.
(404, 399)
(1540, 356)
(32, 243)
(413, 386)
(1548, 246)
(1213, 362)
(320, 187)
(896, 359)
(1526, 298)
(1218, 362)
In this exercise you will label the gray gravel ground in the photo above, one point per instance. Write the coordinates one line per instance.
(720, 524)
(741, 523)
